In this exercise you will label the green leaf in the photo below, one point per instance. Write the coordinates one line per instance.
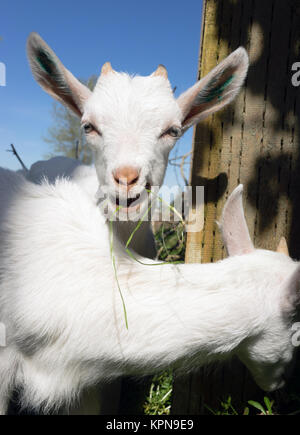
(246, 411)
(257, 405)
(171, 241)
(211, 410)
(268, 404)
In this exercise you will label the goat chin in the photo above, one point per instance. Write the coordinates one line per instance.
(65, 320)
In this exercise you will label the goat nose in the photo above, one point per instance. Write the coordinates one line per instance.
(126, 176)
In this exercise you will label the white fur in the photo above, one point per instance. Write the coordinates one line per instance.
(131, 115)
(58, 295)
(64, 316)
(86, 177)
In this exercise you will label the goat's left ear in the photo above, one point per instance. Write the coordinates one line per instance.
(53, 77)
(215, 90)
(233, 225)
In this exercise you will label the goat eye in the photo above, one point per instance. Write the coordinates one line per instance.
(88, 128)
(173, 131)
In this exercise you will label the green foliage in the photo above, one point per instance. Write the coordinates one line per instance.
(158, 401)
(227, 407)
(170, 241)
(65, 132)
(264, 411)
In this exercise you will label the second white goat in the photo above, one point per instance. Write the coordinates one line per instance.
(64, 316)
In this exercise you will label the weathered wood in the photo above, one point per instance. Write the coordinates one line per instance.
(101, 400)
(255, 141)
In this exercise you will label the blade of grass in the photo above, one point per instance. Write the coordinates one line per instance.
(138, 226)
(169, 205)
(171, 208)
(163, 240)
(129, 252)
(115, 270)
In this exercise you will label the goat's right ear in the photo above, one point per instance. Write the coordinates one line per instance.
(233, 225)
(53, 77)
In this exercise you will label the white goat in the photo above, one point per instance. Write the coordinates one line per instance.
(58, 297)
(65, 320)
(132, 123)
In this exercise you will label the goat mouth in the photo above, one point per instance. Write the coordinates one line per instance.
(130, 204)
(127, 202)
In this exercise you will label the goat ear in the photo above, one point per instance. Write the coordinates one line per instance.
(233, 225)
(215, 90)
(53, 77)
(282, 247)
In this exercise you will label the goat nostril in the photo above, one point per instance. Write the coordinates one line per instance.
(134, 180)
(117, 180)
(126, 176)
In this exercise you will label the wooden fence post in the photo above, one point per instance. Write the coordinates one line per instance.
(255, 141)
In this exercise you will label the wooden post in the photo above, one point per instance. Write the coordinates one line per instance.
(255, 141)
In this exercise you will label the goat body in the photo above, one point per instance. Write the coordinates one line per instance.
(64, 317)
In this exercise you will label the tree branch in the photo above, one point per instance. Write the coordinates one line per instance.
(14, 151)
(173, 162)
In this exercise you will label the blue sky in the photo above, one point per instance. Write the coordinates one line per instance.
(135, 36)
